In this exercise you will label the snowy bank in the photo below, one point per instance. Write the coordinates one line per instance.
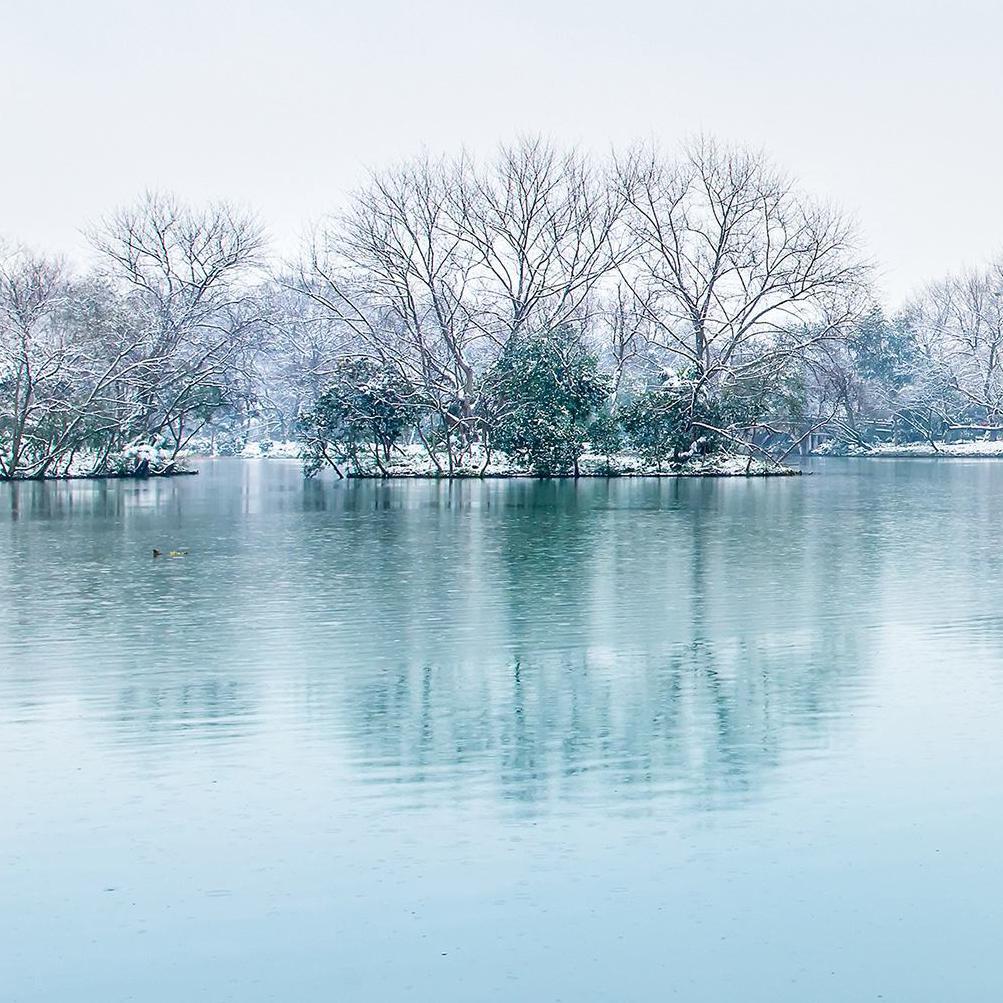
(414, 461)
(716, 465)
(980, 449)
(136, 461)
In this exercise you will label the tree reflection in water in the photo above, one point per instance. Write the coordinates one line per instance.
(524, 641)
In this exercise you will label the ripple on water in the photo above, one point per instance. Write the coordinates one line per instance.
(586, 732)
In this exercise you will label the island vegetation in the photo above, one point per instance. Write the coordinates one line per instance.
(539, 312)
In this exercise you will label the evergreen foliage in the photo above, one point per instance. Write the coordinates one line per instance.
(361, 416)
(545, 393)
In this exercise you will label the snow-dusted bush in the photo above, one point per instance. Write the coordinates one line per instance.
(543, 397)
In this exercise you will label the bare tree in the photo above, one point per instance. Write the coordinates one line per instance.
(393, 270)
(622, 329)
(35, 361)
(542, 226)
(959, 326)
(64, 348)
(738, 273)
(438, 263)
(299, 354)
(184, 273)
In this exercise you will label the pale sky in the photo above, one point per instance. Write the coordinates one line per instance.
(889, 108)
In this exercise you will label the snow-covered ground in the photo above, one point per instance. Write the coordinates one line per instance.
(271, 450)
(719, 465)
(413, 461)
(979, 449)
(85, 463)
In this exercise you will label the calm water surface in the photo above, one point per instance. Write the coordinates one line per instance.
(697, 740)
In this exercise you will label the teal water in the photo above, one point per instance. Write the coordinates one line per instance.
(628, 740)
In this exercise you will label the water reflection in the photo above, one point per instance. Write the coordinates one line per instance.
(527, 642)
(211, 707)
(705, 722)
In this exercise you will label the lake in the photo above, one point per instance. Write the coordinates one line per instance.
(504, 740)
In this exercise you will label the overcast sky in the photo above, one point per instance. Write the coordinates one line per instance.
(891, 109)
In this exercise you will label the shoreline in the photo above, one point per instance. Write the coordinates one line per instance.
(405, 475)
(414, 464)
(612, 476)
(98, 477)
(921, 451)
(907, 456)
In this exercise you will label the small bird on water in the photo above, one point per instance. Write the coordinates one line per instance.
(170, 553)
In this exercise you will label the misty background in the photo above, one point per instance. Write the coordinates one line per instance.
(888, 109)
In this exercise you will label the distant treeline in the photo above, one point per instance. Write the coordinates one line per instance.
(533, 306)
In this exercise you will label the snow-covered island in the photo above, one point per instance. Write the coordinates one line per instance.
(414, 462)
